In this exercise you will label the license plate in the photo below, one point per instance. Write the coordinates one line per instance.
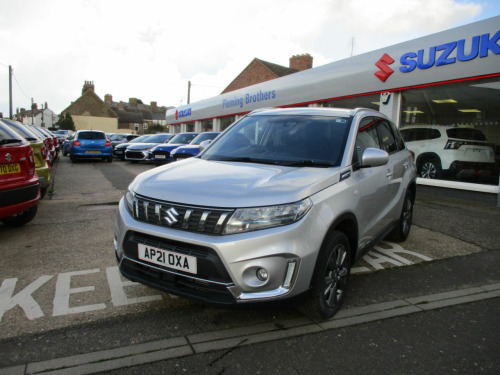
(118, 152)
(93, 152)
(159, 156)
(168, 259)
(10, 168)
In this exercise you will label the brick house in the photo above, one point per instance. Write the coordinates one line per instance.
(89, 112)
(259, 71)
(134, 115)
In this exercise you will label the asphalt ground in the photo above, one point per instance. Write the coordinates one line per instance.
(453, 248)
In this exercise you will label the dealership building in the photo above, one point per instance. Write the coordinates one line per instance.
(450, 79)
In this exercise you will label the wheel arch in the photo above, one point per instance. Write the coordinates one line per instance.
(347, 224)
(428, 156)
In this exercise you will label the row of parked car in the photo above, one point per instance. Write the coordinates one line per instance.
(27, 154)
(157, 148)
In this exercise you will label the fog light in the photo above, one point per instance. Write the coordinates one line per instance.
(262, 274)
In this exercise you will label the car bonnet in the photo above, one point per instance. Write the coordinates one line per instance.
(229, 184)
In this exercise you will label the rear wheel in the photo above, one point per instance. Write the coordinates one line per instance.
(43, 192)
(330, 279)
(21, 218)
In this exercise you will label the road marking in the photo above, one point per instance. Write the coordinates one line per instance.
(385, 255)
(113, 359)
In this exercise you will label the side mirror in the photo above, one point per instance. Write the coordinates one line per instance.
(204, 144)
(374, 157)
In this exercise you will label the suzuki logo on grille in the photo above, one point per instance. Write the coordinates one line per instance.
(383, 65)
(171, 216)
(8, 157)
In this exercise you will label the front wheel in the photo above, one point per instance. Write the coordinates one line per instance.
(330, 278)
(429, 169)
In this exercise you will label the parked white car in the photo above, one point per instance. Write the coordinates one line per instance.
(449, 150)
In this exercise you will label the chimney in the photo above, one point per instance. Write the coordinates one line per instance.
(45, 106)
(301, 62)
(108, 99)
(132, 101)
(120, 105)
(88, 86)
(154, 105)
(34, 107)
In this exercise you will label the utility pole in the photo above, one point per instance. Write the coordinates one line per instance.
(32, 114)
(10, 91)
(189, 91)
(43, 125)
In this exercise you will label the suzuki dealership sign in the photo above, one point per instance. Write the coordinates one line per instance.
(461, 53)
(461, 50)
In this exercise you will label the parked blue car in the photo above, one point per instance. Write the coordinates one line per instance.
(192, 149)
(90, 144)
(161, 153)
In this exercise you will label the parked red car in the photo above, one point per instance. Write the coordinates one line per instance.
(19, 184)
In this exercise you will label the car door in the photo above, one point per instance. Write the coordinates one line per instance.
(397, 168)
(372, 184)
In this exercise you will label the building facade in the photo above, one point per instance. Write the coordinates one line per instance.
(448, 80)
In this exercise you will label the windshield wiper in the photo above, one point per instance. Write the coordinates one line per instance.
(307, 163)
(247, 159)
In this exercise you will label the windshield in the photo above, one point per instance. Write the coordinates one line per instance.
(203, 137)
(91, 135)
(142, 138)
(183, 138)
(291, 140)
(158, 138)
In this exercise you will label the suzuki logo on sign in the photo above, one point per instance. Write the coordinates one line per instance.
(171, 217)
(183, 113)
(383, 64)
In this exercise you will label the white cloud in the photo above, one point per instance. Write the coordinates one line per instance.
(150, 49)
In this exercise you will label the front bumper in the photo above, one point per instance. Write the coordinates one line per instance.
(137, 155)
(227, 265)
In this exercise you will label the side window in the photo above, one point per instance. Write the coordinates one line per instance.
(399, 139)
(387, 138)
(367, 137)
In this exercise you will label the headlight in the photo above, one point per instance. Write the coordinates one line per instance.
(129, 201)
(249, 219)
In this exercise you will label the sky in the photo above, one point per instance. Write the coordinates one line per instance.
(150, 49)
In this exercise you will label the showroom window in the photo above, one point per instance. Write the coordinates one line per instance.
(454, 130)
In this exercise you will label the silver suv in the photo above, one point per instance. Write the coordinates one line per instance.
(280, 205)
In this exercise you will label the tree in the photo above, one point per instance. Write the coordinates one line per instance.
(154, 128)
(65, 122)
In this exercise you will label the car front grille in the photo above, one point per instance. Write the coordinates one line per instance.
(210, 283)
(134, 155)
(188, 218)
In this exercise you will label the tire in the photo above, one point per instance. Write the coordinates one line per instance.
(72, 158)
(430, 168)
(330, 279)
(43, 192)
(402, 230)
(65, 153)
(21, 218)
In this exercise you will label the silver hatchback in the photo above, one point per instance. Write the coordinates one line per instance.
(279, 206)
